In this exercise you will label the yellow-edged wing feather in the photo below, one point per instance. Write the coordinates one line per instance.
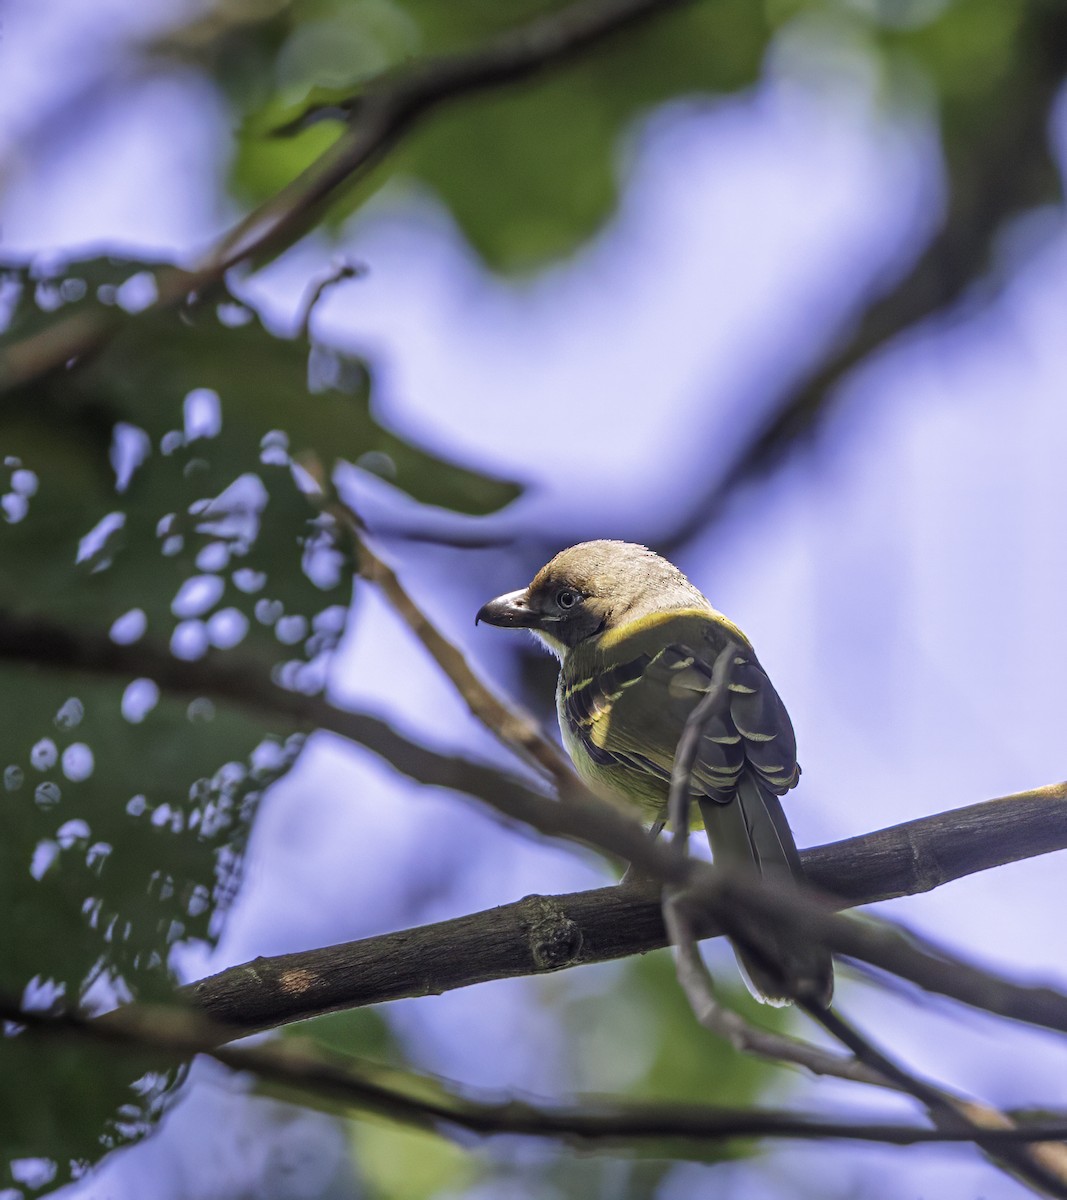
(624, 699)
(623, 702)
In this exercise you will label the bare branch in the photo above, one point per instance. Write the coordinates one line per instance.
(387, 109)
(892, 948)
(548, 933)
(1046, 1172)
(693, 975)
(1043, 1166)
(427, 1102)
(696, 982)
(868, 1064)
(680, 799)
(576, 815)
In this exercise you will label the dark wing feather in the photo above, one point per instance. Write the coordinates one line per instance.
(623, 721)
(629, 717)
(587, 704)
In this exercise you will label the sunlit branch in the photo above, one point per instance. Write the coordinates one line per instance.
(388, 108)
(428, 1102)
(1034, 1164)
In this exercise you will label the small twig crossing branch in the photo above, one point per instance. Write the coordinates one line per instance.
(696, 982)
(868, 1064)
(679, 800)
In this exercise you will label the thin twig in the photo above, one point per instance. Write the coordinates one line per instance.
(868, 1064)
(679, 800)
(336, 274)
(696, 982)
(1043, 1165)
(515, 728)
(1047, 1172)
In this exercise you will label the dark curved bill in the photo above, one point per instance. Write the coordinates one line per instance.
(510, 611)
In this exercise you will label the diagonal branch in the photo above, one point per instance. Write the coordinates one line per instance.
(386, 111)
(1041, 1166)
(696, 982)
(515, 728)
(1033, 1164)
(1001, 163)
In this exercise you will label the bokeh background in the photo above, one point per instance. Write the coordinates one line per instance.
(777, 288)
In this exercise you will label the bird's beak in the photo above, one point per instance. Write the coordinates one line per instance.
(511, 611)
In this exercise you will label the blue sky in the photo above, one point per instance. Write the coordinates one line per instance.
(902, 577)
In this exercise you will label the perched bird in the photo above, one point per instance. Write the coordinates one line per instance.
(637, 644)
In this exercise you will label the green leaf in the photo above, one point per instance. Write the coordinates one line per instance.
(529, 172)
(153, 492)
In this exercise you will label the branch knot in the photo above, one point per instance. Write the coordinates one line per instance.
(555, 940)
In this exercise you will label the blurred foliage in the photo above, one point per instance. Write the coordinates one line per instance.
(152, 492)
(399, 1163)
(392, 1161)
(530, 172)
(682, 1058)
(634, 1038)
(641, 1040)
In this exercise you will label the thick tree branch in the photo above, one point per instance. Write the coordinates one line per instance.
(422, 1101)
(386, 110)
(575, 815)
(547, 933)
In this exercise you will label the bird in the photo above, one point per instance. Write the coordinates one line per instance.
(637, 644)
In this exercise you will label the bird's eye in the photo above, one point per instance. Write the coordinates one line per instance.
(566, 598)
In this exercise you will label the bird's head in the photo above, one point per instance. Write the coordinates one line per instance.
(590, 589)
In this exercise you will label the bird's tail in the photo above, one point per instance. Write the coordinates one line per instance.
(751, 833)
